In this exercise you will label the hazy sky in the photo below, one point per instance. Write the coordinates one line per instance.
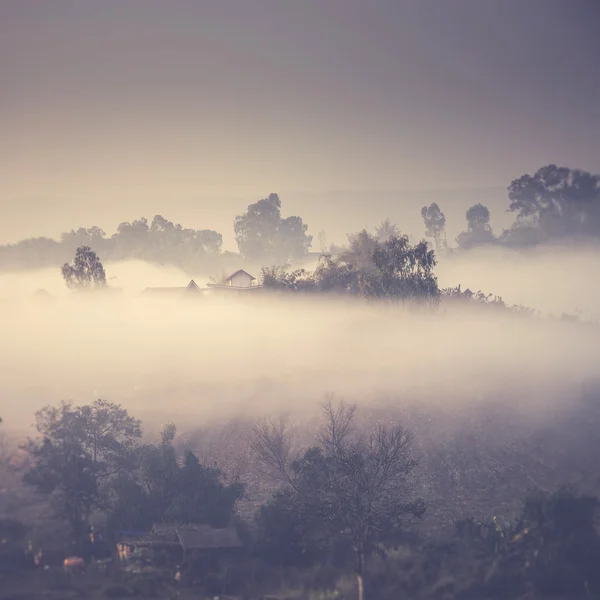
(110, 109)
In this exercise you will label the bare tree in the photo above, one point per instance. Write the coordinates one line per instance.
(272, 444)
(354, 481)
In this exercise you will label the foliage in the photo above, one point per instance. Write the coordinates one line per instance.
(289, 537)
(553, 203)
(557, 201)
(159, 241)
(262, 234)
(393, 270)
(80, 449)
(351, 488)
(386, 230)
(161, 488)
(85, 272)
(481, 299)
(66, 473)
(479, 231)
(435, 224)
(553, 548)
(104, 431)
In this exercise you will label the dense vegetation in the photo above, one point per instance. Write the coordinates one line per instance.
(552, 204)
(352, 506)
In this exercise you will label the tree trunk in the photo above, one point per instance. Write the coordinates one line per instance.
(360, 567)
(360, 585)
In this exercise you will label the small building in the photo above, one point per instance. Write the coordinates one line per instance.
(239, 281)
(173, 543)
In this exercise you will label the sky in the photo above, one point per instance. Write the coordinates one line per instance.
(114, 109)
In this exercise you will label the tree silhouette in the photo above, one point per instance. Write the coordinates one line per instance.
(80, 448)
(386, 230)
(435, 224)
(479, 231)
(262, 234)
(162, 487)
(352, 484)
(85, 272)
(558, 201)
(393, 270)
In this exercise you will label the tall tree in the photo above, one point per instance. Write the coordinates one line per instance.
(85, 272)
(79, 449)
(353, 483)
(262, 234)
(558, 201)
(435, 224)
(479, 231)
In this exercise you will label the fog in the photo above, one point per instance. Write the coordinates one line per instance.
(190, 362)
(551, 279)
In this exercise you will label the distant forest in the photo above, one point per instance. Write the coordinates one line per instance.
(553, 204)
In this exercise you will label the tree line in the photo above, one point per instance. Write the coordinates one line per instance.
(552, 204)
(346, 505)
(349, 490)
(261, 233)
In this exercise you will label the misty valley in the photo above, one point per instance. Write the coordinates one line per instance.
(286, 423)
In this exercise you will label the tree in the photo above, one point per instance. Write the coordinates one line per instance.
(262, 234)
(92, 237)
(352, 484)
(85, 272)
(163, 488)
(558, 201)
(80, 449)
(65, 473)
(435, 224)
(479, 231)
(392, 270)
(131, 239)
(323, 245)
(478, 217)
(386, 230)
(406, 271)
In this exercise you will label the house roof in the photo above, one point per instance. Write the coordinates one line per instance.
(234, 288)
(208, 537)
(238, 272)
(198, 536)
(192, 286)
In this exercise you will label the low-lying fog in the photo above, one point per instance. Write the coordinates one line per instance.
(189, 362)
